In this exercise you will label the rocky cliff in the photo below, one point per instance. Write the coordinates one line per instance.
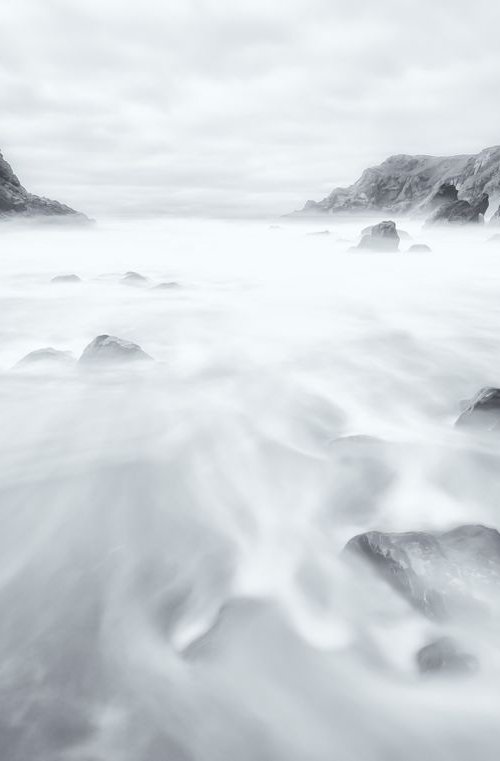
(407, 184)
(15, 200)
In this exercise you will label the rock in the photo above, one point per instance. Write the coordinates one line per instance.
(495, 219)
(445, 194)
(403, 235)
(441, 574)
(168, 286)
(461, 212)
(444, 656)
(417, 184)
(134, 278)
(66, 279)
(105, 350)
(16, 201)
(419, 247)
(381, 237)
(482, 412)
(320, 232)
(47, 356)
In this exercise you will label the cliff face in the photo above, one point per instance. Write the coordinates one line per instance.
(15, 200)
(406, 184)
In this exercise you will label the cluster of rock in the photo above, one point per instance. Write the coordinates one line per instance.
(103, 351)
(16, 201)
(129, 278)
(406, 184)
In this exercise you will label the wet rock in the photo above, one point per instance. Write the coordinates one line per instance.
(134, 278)
(105, 350)
(482, 412)
(461, 212)
(45, 356)
(381, 237)
(66, 279)
(420, 248)
(441, 574)
(445, 656)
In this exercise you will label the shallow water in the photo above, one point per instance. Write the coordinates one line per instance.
(170, 581)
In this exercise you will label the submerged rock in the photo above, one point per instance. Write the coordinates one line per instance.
(444, 656)
(483, 411)
(134, 278)
(441, 574)
(461, 212)
(166, 286)
(107, 349)
(66, 279)
(320, 232)
(420, 247)
(381, 237)
(45, 356)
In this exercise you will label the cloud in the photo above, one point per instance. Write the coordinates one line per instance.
(241, 106)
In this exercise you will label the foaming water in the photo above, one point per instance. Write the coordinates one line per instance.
(171, 579)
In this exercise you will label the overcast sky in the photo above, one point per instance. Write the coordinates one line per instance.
(237, 106)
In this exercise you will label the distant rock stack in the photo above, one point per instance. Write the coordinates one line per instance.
(417, 185)
(16, 201)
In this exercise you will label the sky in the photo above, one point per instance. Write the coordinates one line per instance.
(237, 107)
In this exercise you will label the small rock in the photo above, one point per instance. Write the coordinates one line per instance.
(166, 286)
(110, 350)
(419, 247)
(482, 411)
(134, 278)
(320, 232)
(445, 656)
(47, 355)
(381, 237)
(66, 279)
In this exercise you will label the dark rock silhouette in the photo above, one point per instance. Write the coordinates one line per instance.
(404, 183)
(381, 237)
(105, 350)
(461, 212)
(15, 199)
(483, 411)
(444, 656)
(441, 574)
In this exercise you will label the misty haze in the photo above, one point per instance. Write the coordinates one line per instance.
(249, 381)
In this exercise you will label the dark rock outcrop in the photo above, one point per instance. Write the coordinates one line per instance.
(46, 356)
(420, 247)
(461, 212)
(106, 350)
(66, 279)
(444, 656)
(441, 574)
(381, 237)
(403, 184)
(16, 201)
(482, 412)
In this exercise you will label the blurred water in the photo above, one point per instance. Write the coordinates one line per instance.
(170, 581)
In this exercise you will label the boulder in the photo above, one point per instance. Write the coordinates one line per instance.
(441, 574)
(461, 212)
(445, 656)
(482, 412)
(419, 248)
(47, 356)
(66, 279)
(381, 237)
(106, 350)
